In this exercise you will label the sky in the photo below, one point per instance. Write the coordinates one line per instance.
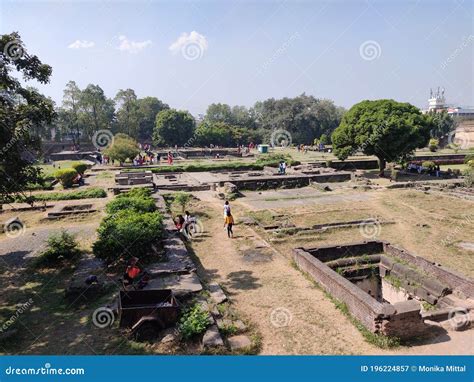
(190, 54)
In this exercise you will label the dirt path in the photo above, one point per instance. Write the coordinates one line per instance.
(292, 315)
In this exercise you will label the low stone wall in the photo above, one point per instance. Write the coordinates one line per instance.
(457, 282)
(349, 165)
(328, 253)
(363, 307)
(402, 319)
(286, 181)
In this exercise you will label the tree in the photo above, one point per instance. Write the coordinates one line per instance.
(122, 148)
(385, 128)
(304, 117)
(98, 110)
(22, 110)
(127, 112)
(443, 124)
(69, 113)
(173, 127)
(148, 109)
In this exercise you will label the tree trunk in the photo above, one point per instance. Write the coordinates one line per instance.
(382, 164)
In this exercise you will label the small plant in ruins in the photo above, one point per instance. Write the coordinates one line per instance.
(193, 322)
(182, 199)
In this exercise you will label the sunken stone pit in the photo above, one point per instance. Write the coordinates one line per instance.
(387, 289)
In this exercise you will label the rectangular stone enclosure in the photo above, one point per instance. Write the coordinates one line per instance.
(387, 289)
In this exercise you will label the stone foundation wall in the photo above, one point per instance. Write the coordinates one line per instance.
(402, 319)
(328, 253)
(287, 181)
(363, 307)
(457, 282)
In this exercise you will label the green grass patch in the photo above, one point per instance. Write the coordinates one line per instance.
(90, 193)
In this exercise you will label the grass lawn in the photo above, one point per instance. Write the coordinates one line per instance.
(48, 169)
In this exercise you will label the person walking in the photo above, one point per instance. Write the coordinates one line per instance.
(229, 221)
(226, 208)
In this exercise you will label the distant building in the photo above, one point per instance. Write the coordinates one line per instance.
(464, 133)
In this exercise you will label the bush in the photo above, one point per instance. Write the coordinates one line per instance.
(128, 232)
(80, 167)
(136, 193)
(61, 246)
(469, 177)
(468, 158)
(394, 174)
(328, 163)
(429, 165)
(134, 204)
(66, 176)
(433, 144)
(193, 322)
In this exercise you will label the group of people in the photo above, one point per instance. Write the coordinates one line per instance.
(186, 224)
(147, 158)
(418, 168)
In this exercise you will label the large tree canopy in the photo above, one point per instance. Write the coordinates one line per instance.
(22, 111)
(148, 109)
(385, 128)
(304, 117)
(174, 127)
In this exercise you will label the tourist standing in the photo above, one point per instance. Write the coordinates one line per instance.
(229, 221)
(170, 158)
(226, 208)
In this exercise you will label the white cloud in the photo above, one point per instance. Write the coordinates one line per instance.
(130, 46)
(192, 45)
(81, 44)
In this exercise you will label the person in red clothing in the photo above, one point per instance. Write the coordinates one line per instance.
(170, 158)
(134, 276)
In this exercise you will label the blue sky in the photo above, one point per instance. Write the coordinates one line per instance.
(238, 52)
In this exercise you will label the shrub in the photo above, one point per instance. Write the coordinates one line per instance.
(136, 193)
(66, 176)
(61, 246)
(328, 163)
(80, 167)
(429, 165)
(433, 144)
(128, 232)
(134, 204)
(469, 177)
(468, 158)
(193, 322)
(394, 174)
(182, 199)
